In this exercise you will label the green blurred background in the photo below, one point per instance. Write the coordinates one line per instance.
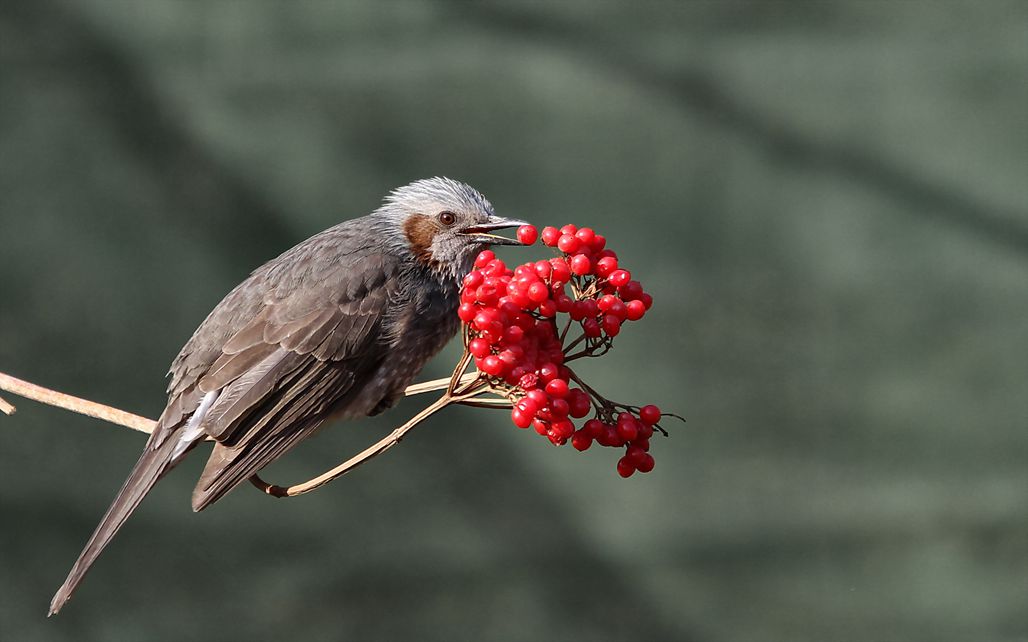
(828, 201)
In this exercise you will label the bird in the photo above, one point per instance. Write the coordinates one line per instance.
(334, 328)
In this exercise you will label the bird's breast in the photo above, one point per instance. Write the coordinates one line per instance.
(415, 330)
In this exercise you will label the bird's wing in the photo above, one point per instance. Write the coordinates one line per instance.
(299, 360)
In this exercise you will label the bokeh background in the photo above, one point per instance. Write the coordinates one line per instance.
(828, 201)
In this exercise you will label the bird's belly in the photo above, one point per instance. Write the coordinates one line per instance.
(411, 349)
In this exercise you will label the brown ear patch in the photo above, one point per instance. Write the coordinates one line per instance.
(420, 230)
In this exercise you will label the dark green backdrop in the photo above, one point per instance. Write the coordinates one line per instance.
(828, 201)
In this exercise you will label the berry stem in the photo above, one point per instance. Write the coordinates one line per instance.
(564, 333)
(573, 344)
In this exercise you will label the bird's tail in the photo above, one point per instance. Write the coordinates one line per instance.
(152, 465)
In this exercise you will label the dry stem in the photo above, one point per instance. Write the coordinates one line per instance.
(74, 404)
(461, 387)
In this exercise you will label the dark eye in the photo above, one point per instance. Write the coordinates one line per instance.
(447, 218)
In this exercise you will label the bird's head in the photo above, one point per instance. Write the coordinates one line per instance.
(443, 224)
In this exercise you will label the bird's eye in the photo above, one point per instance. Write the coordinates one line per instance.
(447, 218)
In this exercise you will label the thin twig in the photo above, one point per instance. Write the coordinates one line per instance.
(135, 422)
(75, 404)
(436, 384)
(461, 387)
(574, 343)
(487, 403)
(367, 454)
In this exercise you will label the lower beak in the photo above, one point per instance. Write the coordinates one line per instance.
(481, 232)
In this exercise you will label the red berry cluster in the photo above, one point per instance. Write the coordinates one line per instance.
(517, 325)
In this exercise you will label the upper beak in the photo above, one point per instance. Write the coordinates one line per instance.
(480, 232)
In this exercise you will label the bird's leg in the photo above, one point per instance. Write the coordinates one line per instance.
(463, 389)
(367, 454)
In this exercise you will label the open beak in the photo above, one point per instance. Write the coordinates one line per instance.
(481, 231)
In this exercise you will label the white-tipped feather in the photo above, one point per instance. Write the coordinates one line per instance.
(193, 430)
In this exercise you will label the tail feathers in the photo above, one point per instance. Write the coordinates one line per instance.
(148, 470)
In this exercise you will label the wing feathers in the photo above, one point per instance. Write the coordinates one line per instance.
(303, 343)
(295, 414)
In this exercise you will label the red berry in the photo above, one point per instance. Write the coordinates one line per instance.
(563, 303)
(579, 402)
(631, 291)
(591, 328)
(527, 234)
(635, 310)
(550, 235)
(548, 372)
(478, 347)
(527, 406)
(597, 243)
(466, 312)
(483, 258)
(585, 235)
(619, 310)
(542, 269)
(563, 428)
(605, 266)
(625, 467)
(486, 294)
(538, 396)
(560, 272)
(496, 267)
(568, 244)
(628, 429)
(473, 280)
(635, 456)
(606, 302)
(528, 381)
(646, 299)
(557, 388)
(538, 292)
(581, 441)
(569, 229)
(594, 428)
(509, 358)
(493, 366)
(513, 334)
(581, 265)
(520, 419)
(577, 311)
(610, 437)
(611, 325)
(646, 465)
(619, 277)
(559, 408)
(541, 427)
(650, 414)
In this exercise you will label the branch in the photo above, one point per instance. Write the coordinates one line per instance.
(460, 388)
(367, 454)
(74, 404)
(127, 419)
